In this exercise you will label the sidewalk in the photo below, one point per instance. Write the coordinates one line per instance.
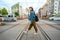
(50, 22)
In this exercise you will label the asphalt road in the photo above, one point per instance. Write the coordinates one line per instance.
(31, 36)
(47, 30)
(52, 28)
(10, 32)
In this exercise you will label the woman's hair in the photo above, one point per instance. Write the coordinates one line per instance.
(31, 8)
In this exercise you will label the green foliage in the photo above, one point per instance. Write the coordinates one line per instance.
(0, 11)
(4, 11)
(49, 16)
(16, 14)
(57, 14)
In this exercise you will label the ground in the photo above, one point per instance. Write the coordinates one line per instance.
(46, 30)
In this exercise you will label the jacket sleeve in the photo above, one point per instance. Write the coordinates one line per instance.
(29, 17)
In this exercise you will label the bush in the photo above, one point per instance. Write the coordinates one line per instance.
(57, 14)
(16, 14)
(4, 12)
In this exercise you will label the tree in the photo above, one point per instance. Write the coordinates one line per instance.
(0, 11)
(4, 11)
(0, 18)
(16, 14)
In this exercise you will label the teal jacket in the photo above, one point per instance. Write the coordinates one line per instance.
(32, 16)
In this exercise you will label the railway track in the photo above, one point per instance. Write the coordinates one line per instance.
(22, 33)
(43, 24)
(44, 33)
(23, 36)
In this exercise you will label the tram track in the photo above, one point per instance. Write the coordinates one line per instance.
(40, 29)
(20, 35)
(44, 33)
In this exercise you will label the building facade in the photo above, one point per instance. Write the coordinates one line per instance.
(18, 8)
(51, 7)
(56, 6)
(47, 9)
(15, 8)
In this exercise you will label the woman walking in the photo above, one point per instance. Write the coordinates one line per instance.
(32, 20)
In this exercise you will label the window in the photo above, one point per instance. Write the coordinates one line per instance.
(55, 9)
(55, 3)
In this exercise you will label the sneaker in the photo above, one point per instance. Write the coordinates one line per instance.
(35, 33)
(25, 31)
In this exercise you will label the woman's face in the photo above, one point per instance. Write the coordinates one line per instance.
(30, 9)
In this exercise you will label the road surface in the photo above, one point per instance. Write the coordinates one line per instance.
(47, 30)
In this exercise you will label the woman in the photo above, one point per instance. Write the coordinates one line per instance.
(32, 20)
